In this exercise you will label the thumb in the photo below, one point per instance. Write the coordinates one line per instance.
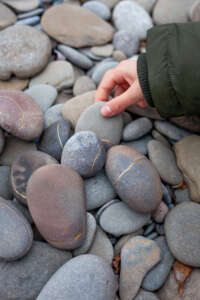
(120, 103)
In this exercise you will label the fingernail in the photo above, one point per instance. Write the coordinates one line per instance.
(106, 111)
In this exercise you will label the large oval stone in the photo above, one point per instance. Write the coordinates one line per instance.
(22, 169)
(20, 115)
(108, 130)
(134, 178)
(182, 229)
(16, 235)
(76, 26)
(25, 278)
(56, 199)
(83, 277)
(25, 51)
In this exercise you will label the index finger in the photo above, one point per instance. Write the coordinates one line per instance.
(111, 79)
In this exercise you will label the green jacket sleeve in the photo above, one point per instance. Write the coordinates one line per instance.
(169, 73)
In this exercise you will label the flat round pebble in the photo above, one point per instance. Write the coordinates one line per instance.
(170, 130)
(83, 85)
(160, 213)
(134, 178)
(84, 153)
(7, 16)
(139, 145)
(90, 235)
(102, 246)
(157, 276)
(98, 191)
(119, 219)
(78, 59)
(104, 51)
(98, 8)
(101, 69)
(22, 5)
(32, 51)
(108, 130)
(144, 295)
(182, 229)
(54, 138)
(16, 233)
(165, 162)
(59, 74)
(56, 200)
(137, 129)
(25, 278)
(138, 256)
(73, 108)
(53, 115)
(79, 272)
(129, 15)
(20, 115)
(22, 169)
(43, 94)
(60, 22)
(127, 42)
(5, 183)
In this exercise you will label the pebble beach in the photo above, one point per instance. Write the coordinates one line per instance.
(92, 208)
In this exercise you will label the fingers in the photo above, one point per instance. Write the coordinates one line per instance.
(111, 79)
(142, 104)
(120, 103)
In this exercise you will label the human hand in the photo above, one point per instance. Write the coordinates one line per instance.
(128, 91)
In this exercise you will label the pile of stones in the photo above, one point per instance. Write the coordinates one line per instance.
(76, 189)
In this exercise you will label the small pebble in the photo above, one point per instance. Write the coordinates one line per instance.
(136, 129)
(182, 195)
(152, 236)
(104, 51)
(170, 130)
(149, 229)
(139, 145)
(127, 42)
(98, 8)
(83, 85)
(53, 115)
(160, 213)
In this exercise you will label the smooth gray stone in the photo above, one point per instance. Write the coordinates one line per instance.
(148, 5)
(5, 183)
(144, 295)
(90, 72)
(83, 85)
(152, 236)
(78, 59)
(160, 229)
(84, 277)
(170, 130)
(138, 256)
(25, 278)
(126, 41)
(108, 130)
(158, 275)
(182, 229)
(101, 69)
(16, 235)
(29, 21)
(159, 137)
(98, 8)
(124, 239)
(98, 191)
(88, 53)
(182, 195)
(119, 219)
(149, 229)
(139, 145)
(84, 153)
(167, 194)
(2, 140)
(53, 114)
(35, 12)
(126, 118)
(24, 210)
(90, 235)
(102, 246)
(136, 129)
(128, 15)
(164, 161)
(43, 94)
(102, 208)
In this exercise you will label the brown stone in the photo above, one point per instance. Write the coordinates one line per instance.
(7, 17)
(14, 84)
(56, 200)
(191, 289)
(76, 26)
(188, 160)
(20, 115)
(73, 108)
(13, 148)
(22, 169)
(25, 51)
(134, 178)
(191, 123)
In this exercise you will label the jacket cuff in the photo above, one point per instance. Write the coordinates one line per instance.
(142, 70)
